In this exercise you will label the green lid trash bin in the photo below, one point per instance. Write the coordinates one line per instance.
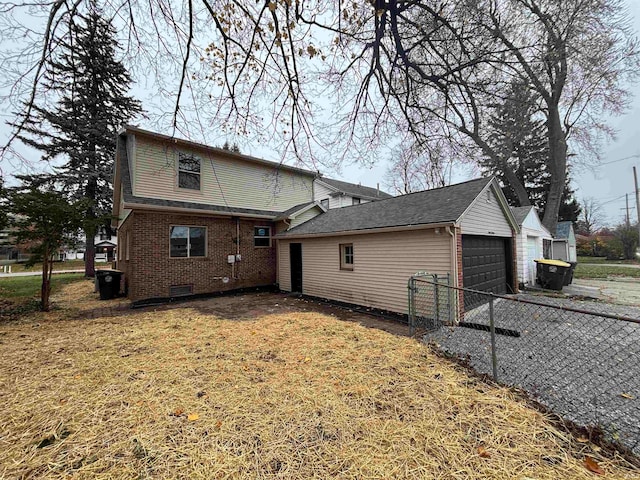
(550, 274)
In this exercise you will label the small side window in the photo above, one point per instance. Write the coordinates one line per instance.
(346, 256)
(355, 201)
(325, 203)
(262, 237)
(188, 171)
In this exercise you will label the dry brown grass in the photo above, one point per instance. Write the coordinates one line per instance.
(180, 394)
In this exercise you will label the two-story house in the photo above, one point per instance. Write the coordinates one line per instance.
(195, 219)
(332, 193)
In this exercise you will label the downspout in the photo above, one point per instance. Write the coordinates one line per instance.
(453, 313)
(237, 242)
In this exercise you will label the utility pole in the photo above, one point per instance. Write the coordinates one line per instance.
(628, 219)
(635, 179)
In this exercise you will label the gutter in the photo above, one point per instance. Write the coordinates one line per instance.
(397, 228)
(194, 211)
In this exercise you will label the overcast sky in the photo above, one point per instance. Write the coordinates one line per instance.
(608, 182)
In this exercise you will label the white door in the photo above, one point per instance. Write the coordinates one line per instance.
(532, 254)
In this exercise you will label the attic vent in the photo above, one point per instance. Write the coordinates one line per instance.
(180, 290)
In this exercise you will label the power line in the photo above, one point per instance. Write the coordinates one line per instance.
(637, 155)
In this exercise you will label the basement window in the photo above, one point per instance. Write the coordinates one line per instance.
(346, 256)
(188, 171)
(187, 242)
(180, 290)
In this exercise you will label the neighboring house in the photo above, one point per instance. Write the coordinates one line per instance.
(194, 219)
(533, 241)
(106, 243)
(365, 254)
(564, 243)
(332, 193)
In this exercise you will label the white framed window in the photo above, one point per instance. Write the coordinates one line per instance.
(355, 201)
(325, 203)
(346, 256)
(188, 171)
(187, 242)
(262, 236)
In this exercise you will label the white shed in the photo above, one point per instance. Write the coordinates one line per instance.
(530, 242)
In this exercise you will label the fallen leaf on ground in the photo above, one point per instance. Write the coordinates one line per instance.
(593, 466)
(628, 396)
(177, 412)
(192, 417)
(483, 452)
(582, 439)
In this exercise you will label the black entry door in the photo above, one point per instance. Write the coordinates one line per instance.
(295, 256)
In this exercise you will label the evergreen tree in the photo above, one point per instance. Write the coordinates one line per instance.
(91, 85)
(519, 135)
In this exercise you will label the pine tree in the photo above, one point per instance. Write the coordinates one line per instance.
(91, 85)
(519, 135)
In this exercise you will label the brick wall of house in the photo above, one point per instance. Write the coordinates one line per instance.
(152, 271)
(514, 259)
(458, 232)
(121, 261)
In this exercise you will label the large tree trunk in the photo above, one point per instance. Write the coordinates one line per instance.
(45, 288)
(90, 253)
(557, 167)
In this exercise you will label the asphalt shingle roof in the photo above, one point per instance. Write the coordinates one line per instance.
(292, 210)
(355, 190)
(520, 213)
(440, 205)
(562, 230)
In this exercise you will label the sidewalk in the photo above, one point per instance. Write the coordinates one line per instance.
(33, 274)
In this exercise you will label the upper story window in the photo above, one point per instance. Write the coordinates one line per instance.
(355, 201)
(325, 203)
(262, 237)
(188, 171)
(187, 241)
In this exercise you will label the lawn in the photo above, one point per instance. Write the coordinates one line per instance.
(180, 392)
(605, 260)
(604, 271)
(21, 295)
(57, 266)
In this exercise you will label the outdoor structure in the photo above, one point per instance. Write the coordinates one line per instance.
(194, 219)
(365, 254)
(533, 241)
(564, 243)
(332, 193)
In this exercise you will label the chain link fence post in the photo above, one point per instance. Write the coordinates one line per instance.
(492, 328)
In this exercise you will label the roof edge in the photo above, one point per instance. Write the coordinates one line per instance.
(397, 228)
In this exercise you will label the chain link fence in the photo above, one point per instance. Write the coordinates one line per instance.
(583, 365)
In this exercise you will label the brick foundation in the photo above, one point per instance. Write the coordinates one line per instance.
(150, 272)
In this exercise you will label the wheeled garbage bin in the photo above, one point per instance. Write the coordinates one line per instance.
(108, 283)
(551, 273)
(568, 278)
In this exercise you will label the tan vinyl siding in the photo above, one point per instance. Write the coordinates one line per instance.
(306, 216)
(235, 183)
(383, 263)
(320, 192)
(486, 218)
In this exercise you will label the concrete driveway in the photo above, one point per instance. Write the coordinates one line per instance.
(619, 290)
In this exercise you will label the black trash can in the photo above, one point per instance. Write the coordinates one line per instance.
(108, 283)
(551, 273)
(568, 278)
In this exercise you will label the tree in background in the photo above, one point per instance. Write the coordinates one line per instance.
(91, 85)
(517, 135)
(46, 221)
(627, 235)
(4, 215)
(592, 217)
(386, 68)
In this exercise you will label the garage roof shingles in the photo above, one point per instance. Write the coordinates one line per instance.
(440, 205)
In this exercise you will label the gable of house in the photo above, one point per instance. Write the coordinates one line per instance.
(337, 193)
(488, 215)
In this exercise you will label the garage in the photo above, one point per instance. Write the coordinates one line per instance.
(484, 263)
